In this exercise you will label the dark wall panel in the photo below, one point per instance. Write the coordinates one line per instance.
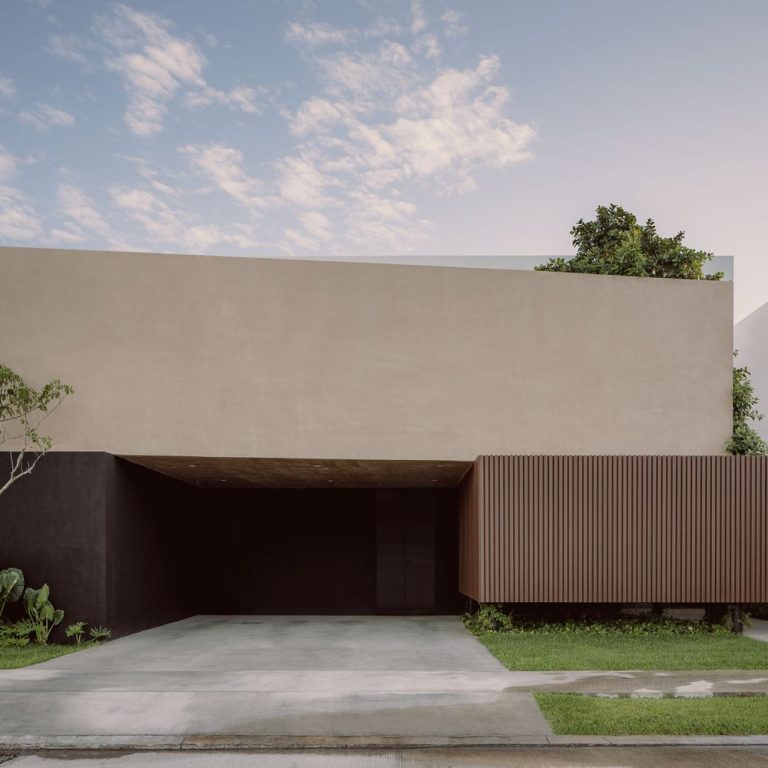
(391, 555)
(152, 528)
(52, 526)
(306, 551)
(417, 551)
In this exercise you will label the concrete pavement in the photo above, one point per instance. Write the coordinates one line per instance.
(758, 630)
(522, 757)
(240, 682)
(421, 679)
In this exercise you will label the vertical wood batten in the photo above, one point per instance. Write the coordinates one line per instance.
(686, 529)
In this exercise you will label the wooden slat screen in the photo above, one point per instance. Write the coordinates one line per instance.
(667, 529)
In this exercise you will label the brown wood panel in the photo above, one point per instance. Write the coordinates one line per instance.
(623, 529)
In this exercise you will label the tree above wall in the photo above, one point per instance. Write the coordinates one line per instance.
(614, 243)
(22, 410)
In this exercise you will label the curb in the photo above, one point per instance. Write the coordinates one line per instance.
(209, 742)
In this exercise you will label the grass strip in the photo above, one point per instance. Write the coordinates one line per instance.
(572, 714)
(13, 658)
(576, 651)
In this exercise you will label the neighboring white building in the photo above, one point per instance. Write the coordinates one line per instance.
(750, 338)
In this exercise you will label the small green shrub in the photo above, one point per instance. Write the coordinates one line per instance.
(11, 587)
(41, 613)
(76, 630)
(488, 617)
(493, 618)
(14, 635)
(99, 634)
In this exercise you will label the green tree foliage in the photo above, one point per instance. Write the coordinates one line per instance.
(22, 410)
(614, 243)
(745, 441)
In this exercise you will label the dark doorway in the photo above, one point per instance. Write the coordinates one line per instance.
(345, 551)
(405, 552)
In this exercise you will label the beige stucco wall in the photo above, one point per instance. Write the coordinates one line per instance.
(208, 356)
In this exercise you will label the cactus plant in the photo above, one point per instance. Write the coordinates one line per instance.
(41, 612)
(11, 587)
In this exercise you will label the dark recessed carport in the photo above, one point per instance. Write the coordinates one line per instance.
(321, 536)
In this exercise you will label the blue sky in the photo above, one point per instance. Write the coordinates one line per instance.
(383, 128)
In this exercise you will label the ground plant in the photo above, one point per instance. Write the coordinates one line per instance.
(76, 631)
(531, 643)
(574, 714)
(99, 634)
(26, 641)
(43, 617)
(11, 587)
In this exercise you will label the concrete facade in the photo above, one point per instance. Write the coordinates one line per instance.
(224, 357)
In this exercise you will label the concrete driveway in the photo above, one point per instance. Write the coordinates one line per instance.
(288, 680)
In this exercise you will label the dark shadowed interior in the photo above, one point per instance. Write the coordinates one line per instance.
(125, 546)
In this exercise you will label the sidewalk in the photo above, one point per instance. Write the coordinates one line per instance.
(650, 684)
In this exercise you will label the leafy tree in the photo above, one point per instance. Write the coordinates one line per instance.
(22, 410)
(616, 244)
(745, 440)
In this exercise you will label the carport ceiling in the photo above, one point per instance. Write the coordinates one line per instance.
(207, 472)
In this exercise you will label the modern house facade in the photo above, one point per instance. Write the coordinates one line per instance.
(264, 435)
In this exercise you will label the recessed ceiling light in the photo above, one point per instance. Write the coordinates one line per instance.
(222, 481)
(330, 481)
(434, 480)
(193, 465)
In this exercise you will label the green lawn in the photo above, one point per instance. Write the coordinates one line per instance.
(572, 714)
(574, 651)
(12, 658)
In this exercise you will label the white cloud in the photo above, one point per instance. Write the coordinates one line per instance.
(157, 67)
(152, 63)
(318, 226)
(18, 219)
(315, 35)
(456, 124)
(6, 88)
(315, 115)
(68, 47)
(224, 166)
(418, 16)
(428, 45)
(44, 116)
(385, 127)
(240, 97)
(363, 80)
(301, 183)
(7, 164)
(164, 225)
(453, 26)
(80, 213)
(382, 27)
(317, 231)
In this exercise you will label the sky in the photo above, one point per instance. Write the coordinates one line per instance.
(383, 129)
